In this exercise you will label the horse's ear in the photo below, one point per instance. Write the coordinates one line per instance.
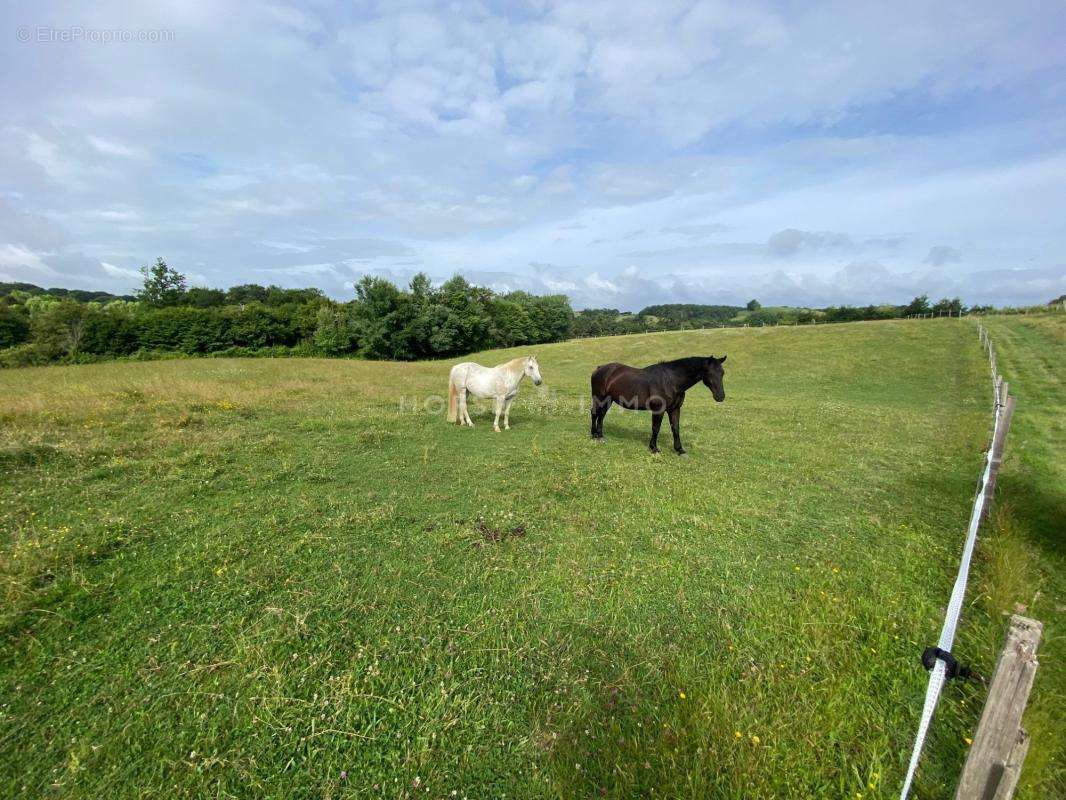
(722, 360)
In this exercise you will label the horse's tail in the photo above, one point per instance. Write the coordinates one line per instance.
(453, 401)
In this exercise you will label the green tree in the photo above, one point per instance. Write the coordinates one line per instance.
(468, 324)
(333, 331)
(14, 323)
(60, 328)
(550, 316)
(760, 317)
(39, 304)
(163, 286)
(947, 307)
(111, 329)
(202, 297)
(256, 325)
(421, 287)
(246, 293)
(919, 305)
(753, 305)
(511, 324)
(375, 316)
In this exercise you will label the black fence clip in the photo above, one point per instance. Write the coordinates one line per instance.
(952, 668)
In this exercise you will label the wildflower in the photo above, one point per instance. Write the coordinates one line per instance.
(681, 695)
(755, 740)
(738, 734)
(968, 740)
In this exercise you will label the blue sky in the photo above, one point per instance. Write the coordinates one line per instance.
(625, 154)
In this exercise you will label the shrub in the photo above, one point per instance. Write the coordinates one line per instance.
(14, 324)
(333, 334)
(29, 354)
(59, 328)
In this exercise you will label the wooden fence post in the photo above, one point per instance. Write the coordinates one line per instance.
(998, 445)
(994, 762)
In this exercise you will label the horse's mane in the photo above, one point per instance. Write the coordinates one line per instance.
(688, 364)
(513, 362)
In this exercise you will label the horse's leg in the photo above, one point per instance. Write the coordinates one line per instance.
(498, 405)
(600, 407)
(466, 411)
(464, 414)
(605, 406)
(507, 413)
(656, 423)
(675, 428)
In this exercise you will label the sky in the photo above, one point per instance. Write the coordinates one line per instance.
(804, 153)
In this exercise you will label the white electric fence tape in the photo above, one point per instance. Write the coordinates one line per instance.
(958, 593)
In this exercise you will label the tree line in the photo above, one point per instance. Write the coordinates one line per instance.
(674, 316)
(383, 321)
(39, 326)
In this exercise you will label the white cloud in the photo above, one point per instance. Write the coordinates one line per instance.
(287, 247)
(697, 143)
(790, 241)
(110, 147)
(594, 281)
(304, 269)
(942, 254)
(120, 272)
(13, 256)
(113, 214)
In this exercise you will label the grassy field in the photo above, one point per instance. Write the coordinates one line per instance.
(291, 579)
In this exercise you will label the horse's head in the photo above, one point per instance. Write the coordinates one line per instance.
(532, 369)
(712, 376)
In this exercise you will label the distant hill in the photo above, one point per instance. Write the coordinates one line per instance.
(691, 312)
(81, 295)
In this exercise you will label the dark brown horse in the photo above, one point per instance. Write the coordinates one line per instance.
(659, 389)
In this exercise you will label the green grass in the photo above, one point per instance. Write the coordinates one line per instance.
(1025, 554)
(227, 578)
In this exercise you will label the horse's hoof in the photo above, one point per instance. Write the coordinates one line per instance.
(654, 451)
(598, 440)
(682, 453)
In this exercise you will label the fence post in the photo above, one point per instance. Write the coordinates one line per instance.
(994, 762)
(996, 456)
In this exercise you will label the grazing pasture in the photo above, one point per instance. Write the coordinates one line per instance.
(294, 579)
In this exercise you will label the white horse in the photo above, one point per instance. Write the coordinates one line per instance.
(500, 383)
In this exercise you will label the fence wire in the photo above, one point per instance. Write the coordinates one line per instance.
(958, 592)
